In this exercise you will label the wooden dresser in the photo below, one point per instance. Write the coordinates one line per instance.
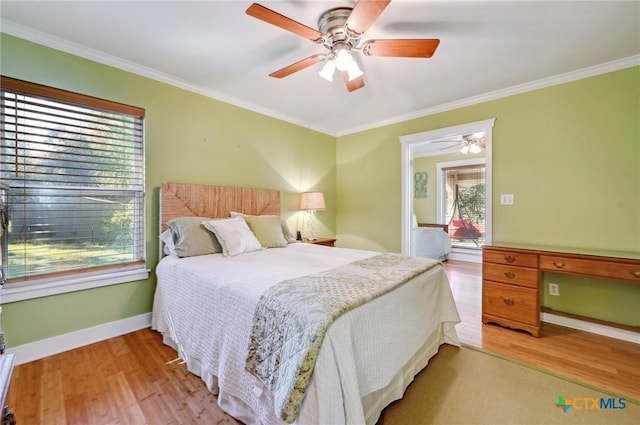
(512, 276)
(511, 289)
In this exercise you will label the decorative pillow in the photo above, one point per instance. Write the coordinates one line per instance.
(234, 235)
(268, 229)
(288, 235)
(191, 238)
(166, 237)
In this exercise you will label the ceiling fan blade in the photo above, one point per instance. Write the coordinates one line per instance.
(410, 48)
(304, 63)
(353, 85)
(448, 147)
(364, 14)
(274, 18)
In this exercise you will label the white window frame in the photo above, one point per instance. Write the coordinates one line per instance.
(440, 183)
(81, 280)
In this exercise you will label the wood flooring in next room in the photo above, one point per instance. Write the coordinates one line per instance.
(608, 363)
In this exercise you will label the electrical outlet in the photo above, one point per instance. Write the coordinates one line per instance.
(506, 199)
(554, 289)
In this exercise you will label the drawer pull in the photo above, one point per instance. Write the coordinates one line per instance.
(508, 301)
(636, 273)
(559, 265)
(510, 275)
(509, 259)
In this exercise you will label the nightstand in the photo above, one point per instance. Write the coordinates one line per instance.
(321, 241)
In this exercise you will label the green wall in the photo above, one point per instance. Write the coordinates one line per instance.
(426, 209)
(190, 138)
(569, 153)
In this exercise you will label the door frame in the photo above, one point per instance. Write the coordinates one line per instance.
(411, 141)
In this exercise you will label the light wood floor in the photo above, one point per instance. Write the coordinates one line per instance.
(132, 380)
(607, 363)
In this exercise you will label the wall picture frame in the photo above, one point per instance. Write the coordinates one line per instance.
(420, 179)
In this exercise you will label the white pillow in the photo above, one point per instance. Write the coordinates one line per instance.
(167, 238)
(234, 235)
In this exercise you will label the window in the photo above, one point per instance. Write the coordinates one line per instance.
(462, 201)
(72, 184)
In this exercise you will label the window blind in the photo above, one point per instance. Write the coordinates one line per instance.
(72, 176)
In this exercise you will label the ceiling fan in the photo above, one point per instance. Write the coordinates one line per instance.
(340, 31)
(470, 143)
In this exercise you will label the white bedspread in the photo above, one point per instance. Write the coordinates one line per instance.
(204, 306)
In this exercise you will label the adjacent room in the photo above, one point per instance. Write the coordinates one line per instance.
(363, 212)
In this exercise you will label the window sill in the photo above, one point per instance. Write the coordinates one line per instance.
(29, 290)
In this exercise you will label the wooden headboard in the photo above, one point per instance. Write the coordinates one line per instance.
(194, 200)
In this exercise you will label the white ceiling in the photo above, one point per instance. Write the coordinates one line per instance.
(212, 47)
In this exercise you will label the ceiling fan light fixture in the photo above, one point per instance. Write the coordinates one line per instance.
(343, 59)
(327, 70)
(465, 149)
(474, 148)
(354, 70)
(340, 30)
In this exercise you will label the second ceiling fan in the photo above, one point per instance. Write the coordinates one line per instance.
(340, 31)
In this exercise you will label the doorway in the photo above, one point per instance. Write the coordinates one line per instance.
(430, 143)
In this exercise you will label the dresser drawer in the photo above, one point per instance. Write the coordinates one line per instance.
(513, 258)
(521, 276)
(511, 302)
(591, 267)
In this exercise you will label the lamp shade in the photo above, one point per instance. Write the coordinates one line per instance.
(312, 201)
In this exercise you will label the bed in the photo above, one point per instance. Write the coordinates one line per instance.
(206, 307)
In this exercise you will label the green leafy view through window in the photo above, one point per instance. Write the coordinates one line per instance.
(72, 182)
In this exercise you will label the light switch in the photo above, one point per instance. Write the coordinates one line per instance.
(506, 199)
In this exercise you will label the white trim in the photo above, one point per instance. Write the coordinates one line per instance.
(76, 49)
(48, 347)
(591, 327)
(406, 177)
(441, 133)
(440, 182)
(39, 37)
(25, 291)
(409, 141)
(467, 255)
(458, 253)
(555, 80)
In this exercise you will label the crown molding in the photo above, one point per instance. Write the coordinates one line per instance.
(567, 77)
(76, 49)
(64, 45)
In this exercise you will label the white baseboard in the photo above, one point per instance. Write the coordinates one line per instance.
(595, 328)
(58, 344)
(47, 347)
(468, 255)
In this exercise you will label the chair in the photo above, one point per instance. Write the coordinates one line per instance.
(430, 242)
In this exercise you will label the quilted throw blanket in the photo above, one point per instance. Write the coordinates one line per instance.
(292, 317)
